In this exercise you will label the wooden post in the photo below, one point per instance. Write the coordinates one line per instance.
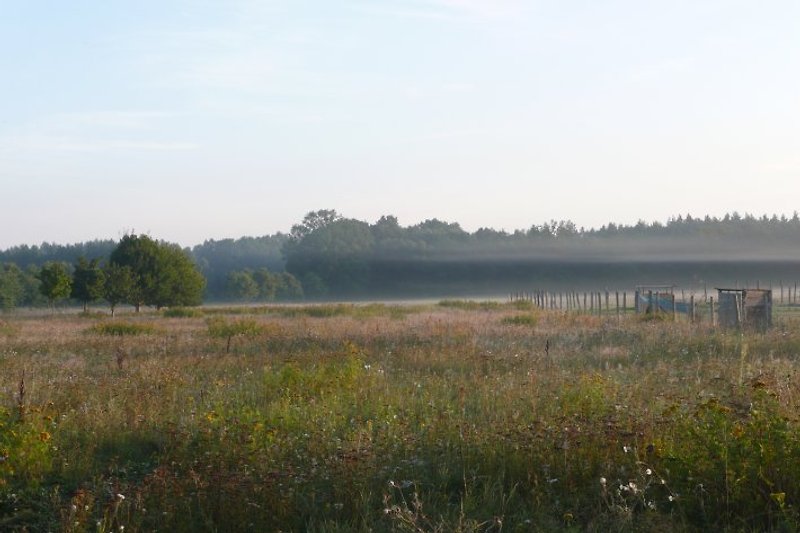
(691, 308)
(738, 310)
(608, 308)
(674, 308)
(650, 302)
(713, 319)
(624, 301)
(617, 300)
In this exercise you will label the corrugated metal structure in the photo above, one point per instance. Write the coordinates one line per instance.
(655, 298)
(745, 308)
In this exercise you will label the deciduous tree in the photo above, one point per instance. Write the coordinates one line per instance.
(56, 281)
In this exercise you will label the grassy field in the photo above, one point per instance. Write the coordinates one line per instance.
(464, 416)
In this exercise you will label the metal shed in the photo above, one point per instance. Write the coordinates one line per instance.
(749, 308)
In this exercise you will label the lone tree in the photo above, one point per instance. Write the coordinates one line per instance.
(56, 281)
(163, 274)
(88, 281)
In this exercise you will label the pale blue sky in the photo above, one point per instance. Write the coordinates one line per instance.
(195, 119)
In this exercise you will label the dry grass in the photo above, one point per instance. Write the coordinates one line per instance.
(455, 417)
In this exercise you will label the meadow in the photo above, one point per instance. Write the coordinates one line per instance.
(457, 416)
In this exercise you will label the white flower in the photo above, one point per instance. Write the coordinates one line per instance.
(648, 472)
(603, 481)
(120, 497)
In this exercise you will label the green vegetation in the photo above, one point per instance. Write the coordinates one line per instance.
(392, 418)
(88, 281)
(163, 274)
(56, 283)
(327, 255)
(221, 328)
(521, 320)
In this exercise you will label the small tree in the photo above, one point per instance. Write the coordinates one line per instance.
(56, 282)
(88, 281)
(119, 283)
(220, 328)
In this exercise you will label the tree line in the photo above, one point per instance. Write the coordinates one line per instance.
(138, 271)
(329, 255)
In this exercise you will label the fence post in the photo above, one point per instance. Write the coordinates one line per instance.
(691, 307)
(713, 320)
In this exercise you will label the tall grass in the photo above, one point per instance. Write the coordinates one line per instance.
(441, 418)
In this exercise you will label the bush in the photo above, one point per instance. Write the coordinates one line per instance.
(470, 305)
(521, 320)
(220, 328)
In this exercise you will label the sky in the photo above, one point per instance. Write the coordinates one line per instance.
(206, 119)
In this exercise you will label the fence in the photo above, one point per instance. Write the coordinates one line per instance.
(695, 308)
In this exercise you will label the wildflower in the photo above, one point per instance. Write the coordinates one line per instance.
(648, 472)
(120, 497)
(603, 481)
(44, 436)
(671, 498)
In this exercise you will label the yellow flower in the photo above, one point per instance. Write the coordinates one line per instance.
(44, 436)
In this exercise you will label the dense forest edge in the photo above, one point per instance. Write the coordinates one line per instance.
(327, 255)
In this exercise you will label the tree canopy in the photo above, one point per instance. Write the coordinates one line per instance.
(163, 274)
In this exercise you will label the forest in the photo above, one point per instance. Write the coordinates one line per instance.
(327, 255)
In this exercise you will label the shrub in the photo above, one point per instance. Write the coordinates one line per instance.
(521, 320)
(220, 328)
